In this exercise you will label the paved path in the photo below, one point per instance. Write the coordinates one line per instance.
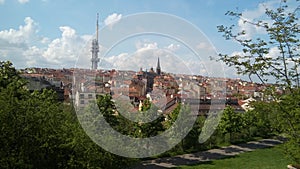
(209, 155)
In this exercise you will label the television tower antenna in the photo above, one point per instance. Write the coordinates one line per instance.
(97, 27)
(95, 47)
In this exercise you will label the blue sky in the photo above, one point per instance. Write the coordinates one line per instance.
(80, 15)
(48, 33)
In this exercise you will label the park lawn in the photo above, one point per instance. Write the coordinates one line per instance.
(268, 158)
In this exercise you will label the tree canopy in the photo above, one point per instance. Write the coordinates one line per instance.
(282, 30)
(37, 131)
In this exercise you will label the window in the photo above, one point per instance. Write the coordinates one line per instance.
(90, 96)
(81, 101)
(81, 96)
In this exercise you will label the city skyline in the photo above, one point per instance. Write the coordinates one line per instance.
(50, 33)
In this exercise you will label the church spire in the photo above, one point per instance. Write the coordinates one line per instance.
(158, 70)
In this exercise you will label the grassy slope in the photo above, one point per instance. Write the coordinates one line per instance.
(269, 158)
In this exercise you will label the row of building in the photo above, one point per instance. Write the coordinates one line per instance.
(81, 86)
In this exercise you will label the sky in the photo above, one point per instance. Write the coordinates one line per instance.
(58, 34)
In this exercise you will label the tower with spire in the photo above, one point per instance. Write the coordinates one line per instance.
(158, 70)
(95, 48)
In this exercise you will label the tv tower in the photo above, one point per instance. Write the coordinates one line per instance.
(95, 47)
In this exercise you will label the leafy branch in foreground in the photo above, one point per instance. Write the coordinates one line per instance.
(282, 36)
(272, 56)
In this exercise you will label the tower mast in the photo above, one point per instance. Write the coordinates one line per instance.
(97, 27)
(95, 47)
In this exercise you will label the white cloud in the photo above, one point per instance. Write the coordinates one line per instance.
(25, 48)
(146, 54)
(113, 18)
(258, 14)
(65, 50)
(147, 46)
(15, 41)
(2, 2)
(237, 53)
(31, 55)
(273, 52)
(253, 16)
(173, 47)
(23, 1)
(45, 40)
(21, 36)
(205, 46)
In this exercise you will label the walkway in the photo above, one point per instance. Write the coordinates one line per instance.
(209, 155)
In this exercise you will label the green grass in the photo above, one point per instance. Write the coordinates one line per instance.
(269, 158)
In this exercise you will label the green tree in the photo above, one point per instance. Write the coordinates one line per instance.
(174, 120)
(37, 131)
(282, 33)
(231, 122)
(191, 140)
(270, 119)
(289, 123)
(31, 124)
